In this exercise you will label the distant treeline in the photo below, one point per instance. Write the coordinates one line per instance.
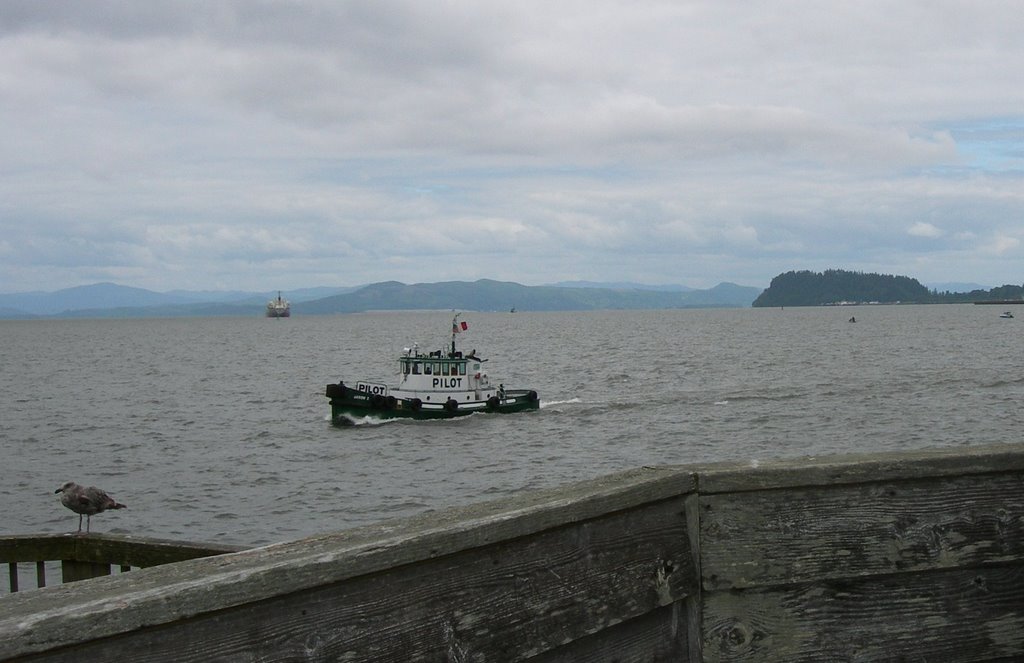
(835, 286)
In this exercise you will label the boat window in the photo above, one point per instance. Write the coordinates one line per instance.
(437, 368)
(428, 369)
(455, 369)
(462, 368)
(415, 368)
(405, 367)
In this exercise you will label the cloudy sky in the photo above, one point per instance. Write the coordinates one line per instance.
(284, 144)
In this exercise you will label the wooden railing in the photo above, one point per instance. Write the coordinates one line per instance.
(79, 557)
(902, 556)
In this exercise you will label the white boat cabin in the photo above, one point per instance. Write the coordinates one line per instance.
(438, 376)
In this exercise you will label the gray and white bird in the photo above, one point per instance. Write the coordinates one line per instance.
(86, 501)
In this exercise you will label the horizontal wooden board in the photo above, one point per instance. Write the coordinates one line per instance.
(955, 615)
(795, 535)
(502, 602)
(858, 468)
(170, 593)
(115, 549)
(659, 636)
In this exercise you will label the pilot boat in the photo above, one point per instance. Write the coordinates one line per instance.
(435, 385)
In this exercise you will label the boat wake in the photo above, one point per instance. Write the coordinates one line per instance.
(546, 404)
(368, 420)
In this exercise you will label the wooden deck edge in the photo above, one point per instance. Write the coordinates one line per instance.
(97, 548)
(839, 469)
(53, 617)
(59, 616)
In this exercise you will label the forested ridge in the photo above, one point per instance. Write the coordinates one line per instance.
(835, 286)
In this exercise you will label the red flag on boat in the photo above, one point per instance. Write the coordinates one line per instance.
(459, 327)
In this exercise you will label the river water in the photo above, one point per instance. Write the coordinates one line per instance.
(216, 429)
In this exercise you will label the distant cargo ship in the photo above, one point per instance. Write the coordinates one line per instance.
(279, 308)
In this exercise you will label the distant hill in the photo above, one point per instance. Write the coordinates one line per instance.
(489, 295)
(621, 285)
(834, 286)
(112, 300)
(108, 300)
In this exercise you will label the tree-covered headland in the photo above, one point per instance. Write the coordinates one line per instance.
(837, 286)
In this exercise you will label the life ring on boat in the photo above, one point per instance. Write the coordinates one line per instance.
(493, 402)
(415, 404)
(389, 403)
(376, 400)
(451, 405)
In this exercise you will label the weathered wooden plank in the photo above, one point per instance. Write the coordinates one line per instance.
(108, 548)
(73, 571)
(32, 548)
(121, 550)
(659, 636)
(799, 534)
(954, 615)
(925, 564)
(506, 601)
(858, 468)
(169, 593)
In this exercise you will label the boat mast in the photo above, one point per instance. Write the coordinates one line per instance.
(455, 330)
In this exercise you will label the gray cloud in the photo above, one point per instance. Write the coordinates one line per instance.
(284, 144)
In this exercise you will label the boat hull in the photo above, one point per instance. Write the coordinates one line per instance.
(349, 405)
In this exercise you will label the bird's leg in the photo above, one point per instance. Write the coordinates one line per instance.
(88, 522)
(79, 523)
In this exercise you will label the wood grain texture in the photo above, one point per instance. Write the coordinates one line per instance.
(117, 549)
(858, 468)
(657, 637)
(171, 593)
(912, 557)
(944, 616)
(502, 602)
(842, 531)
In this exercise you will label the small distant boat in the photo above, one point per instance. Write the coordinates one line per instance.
(279, 308)
(437, 385)
(1006, 314)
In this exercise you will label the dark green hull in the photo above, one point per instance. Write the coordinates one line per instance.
(349, 405)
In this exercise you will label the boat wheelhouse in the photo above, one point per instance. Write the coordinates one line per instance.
(435, 385)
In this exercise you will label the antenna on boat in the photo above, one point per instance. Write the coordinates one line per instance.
(455, 330)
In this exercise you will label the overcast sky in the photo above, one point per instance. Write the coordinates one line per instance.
(278, 145)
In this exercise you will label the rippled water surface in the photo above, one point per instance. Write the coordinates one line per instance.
(216, 429)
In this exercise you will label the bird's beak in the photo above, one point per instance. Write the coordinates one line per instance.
(57, 491)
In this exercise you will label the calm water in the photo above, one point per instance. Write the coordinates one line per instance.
(216, 429)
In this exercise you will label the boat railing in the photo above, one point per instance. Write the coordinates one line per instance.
(52, 559)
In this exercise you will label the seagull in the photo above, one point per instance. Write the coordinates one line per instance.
(86, 501)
